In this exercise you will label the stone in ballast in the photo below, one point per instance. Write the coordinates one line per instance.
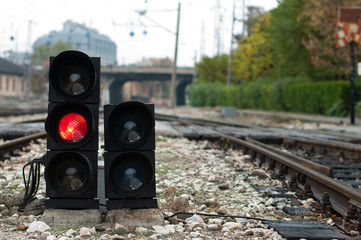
(38, 226)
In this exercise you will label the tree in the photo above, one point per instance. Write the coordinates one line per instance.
(254, 14)
(320, 41)
(42, 52)
(286, 39)
(213, 69)
(253, 57)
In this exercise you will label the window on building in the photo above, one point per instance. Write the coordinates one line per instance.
(7, 83)
(14, 83)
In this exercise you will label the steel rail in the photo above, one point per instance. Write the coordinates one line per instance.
(318, 167)
(347, 149)
(10, 145)
(311, 173)
(330, 192)
(5, 112)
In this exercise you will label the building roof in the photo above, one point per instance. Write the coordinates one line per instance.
(83, 39)
(10, 68)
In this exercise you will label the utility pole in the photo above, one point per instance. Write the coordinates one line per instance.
(172, 94)
(229, 72)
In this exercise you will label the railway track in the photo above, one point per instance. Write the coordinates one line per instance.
(332, 179)
(5, 112)
(309, 176)
(8, 147)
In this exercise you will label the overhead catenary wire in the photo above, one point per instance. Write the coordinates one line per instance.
(159, 25)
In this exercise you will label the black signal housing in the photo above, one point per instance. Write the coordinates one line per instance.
(72, 131)
(129, 160)
(138, 117)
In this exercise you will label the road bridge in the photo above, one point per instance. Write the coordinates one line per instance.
(113, 79)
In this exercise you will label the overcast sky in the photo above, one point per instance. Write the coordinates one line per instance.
(116, 19)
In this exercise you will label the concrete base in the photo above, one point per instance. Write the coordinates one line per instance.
(136, 218)
(229, 112)
(92, 216)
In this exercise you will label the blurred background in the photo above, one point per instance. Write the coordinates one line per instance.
(280, 55)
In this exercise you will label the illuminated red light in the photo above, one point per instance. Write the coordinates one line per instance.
(72, 127)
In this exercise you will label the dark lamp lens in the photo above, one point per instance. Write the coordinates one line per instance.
(71, 174)
(128, 128)
(129, 176)
(74, 79)
(130, 172)
(72, 127)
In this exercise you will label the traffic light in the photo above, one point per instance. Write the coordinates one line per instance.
(129, 161)
(72, 131)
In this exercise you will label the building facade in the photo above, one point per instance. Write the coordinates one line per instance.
(12, 81)
(83, 39)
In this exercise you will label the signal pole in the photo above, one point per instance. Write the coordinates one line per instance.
(172, 94)
(352, 82)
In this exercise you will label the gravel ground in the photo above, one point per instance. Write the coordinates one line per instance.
(191, 176)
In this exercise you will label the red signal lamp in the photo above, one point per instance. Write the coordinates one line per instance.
(72, 127)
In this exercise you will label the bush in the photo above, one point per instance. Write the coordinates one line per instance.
(256, 94)
(329, 98)
(212, 94)
(297, 94)
(227, 96)
(358, 108)
(280, 95)
(339, 108)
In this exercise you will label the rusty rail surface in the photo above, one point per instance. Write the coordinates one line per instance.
(14, 144)
(320, 168)
(306, 178)
(343, 148)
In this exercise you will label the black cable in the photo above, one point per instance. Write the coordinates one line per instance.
(215, 215)
(32, 182)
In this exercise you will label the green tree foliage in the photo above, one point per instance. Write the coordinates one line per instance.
(42, 52)
(254, 14)
(286, 35)
(213, 69)
(253, 57)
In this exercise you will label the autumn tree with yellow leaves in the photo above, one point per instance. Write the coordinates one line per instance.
(320, 40)
(253, 57)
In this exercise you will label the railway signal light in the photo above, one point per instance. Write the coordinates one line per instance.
(129, 160)
(72, 131)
